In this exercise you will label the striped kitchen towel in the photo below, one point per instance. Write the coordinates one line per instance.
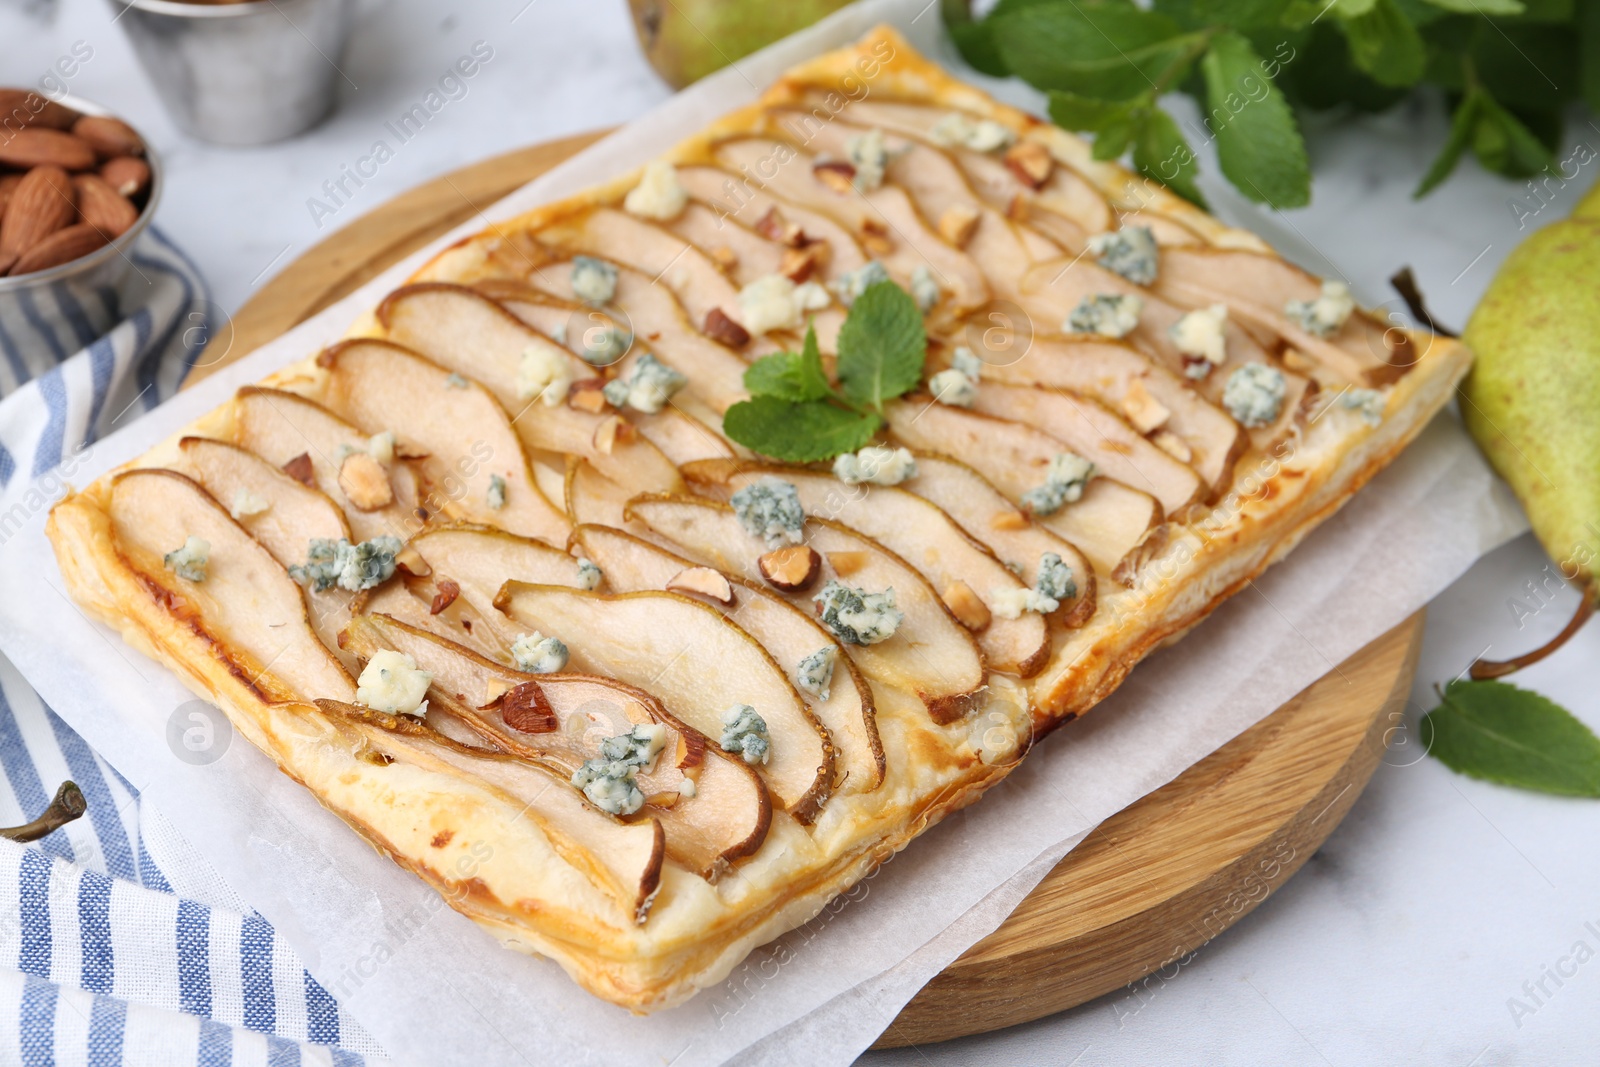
(119, 944)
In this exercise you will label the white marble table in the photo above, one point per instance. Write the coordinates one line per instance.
(1436, 904)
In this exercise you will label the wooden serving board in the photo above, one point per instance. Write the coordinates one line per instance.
(1152, 883)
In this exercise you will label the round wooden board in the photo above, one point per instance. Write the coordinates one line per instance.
(1152, 883)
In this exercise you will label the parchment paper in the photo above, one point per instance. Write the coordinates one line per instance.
(436, 990)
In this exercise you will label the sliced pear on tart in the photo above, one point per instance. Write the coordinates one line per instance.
(1015, 538)
(700, 664)
(844, 705)
(1116, 449)
(755, 208)
(929, 652)
(1107, 523)
(713, 808)
(623, 859)
(310, 443)
(474, 460)
(243, 601)
(1126, 380)
(916, 530)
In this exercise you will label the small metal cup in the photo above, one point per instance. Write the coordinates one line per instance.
(241, 74)
(80, 297)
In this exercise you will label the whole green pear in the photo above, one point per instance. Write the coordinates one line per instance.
(687, 39)
(1532, 398)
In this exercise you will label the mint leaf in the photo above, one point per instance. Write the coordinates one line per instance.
(1504, 145)
(1385, 44)
(1119, 131)
(882, 345)
(1461, 126)
(1106, 50)
(1258, 143)
(1480, 7)
(1588, 16)
(789, 375)
(1500, 733)
(798, 433)
(1161, 153)
(1082, 113)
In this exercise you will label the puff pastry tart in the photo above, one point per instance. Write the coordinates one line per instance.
(489, 579)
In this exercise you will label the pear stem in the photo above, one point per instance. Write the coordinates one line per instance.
(1405, 283)
(1485, 669)
(67, 805)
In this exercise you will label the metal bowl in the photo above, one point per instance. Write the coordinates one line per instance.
(241, 73)
(62, 299)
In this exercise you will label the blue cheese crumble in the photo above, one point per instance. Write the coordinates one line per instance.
(351, 567)
(604, 346)
(1053, 585)
(659, 194)
(538, 654)
(639, 747)
(1130, 252)
(1199, 336)
(545, 373)
(870, 157)
(594, 281)
(953, 388)
(496, 496)
(745, 733)
(1105, 315)
(1254, 394)
(188, 560)
(611, 785)
(774, 302)
(964, 360)
(246, 504)
(1324, 315)
(456, 381)
(1064, 482)
(956, 130)
(392, 683)
(1369, 402)
(814, 676)
(857, 617)
(589, 574)
(647, 387)
(924, 289)
(770, 509)
(851, 284)
(877, 464)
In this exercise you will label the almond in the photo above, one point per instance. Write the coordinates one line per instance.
(612, 430)
(722, 329)
(448, 591)
(102, 206)
(38, 146)
(792, 568)
(126, 175)
(299, 468)
(20, 108)
(836, 174)
(965, 606)
(702, 581)
(725, 257)
(847, 563)
(586, 395)
(108, 136)
(1173, 445)
(365, 482)
(527, 710)
(1010, 520)
(1031, 162)
(1144, 410)
(411, 562)
(63, 246)
(799, 264)
(42, 203)
(957, 223)
(774, 227)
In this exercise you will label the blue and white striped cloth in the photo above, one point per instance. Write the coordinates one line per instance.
(119, 944)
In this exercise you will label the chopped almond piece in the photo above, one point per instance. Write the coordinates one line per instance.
(799, 264)
(957, 223)
(410, 560)
(725, 257)
(365, 482)
(1143, 410)
(792, 568)
(587, 396)
(667, 800)
(448, 591)
(611, 430)
(299, 468)
(836, 174)
(965, 605)
(1173, 445)
(691, 750)
(1010, 520)
(774, 227)
(847, 563)
(528, 710)
(722, 329)
(877, 244)
(1031, 162)
(1298, 361)
(702, 581)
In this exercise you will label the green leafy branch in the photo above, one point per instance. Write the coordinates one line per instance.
(1497, 732)
(794, 413)
(1508, 67)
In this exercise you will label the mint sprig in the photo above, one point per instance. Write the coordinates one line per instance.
(795, 414)
(1497, 732)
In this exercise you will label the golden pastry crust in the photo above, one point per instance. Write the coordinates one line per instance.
(498, 866)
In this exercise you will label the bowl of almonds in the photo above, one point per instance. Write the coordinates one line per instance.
(77, 187)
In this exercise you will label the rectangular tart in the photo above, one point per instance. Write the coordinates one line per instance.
(488, 578)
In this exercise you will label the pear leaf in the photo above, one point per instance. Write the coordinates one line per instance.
(1500, 733)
